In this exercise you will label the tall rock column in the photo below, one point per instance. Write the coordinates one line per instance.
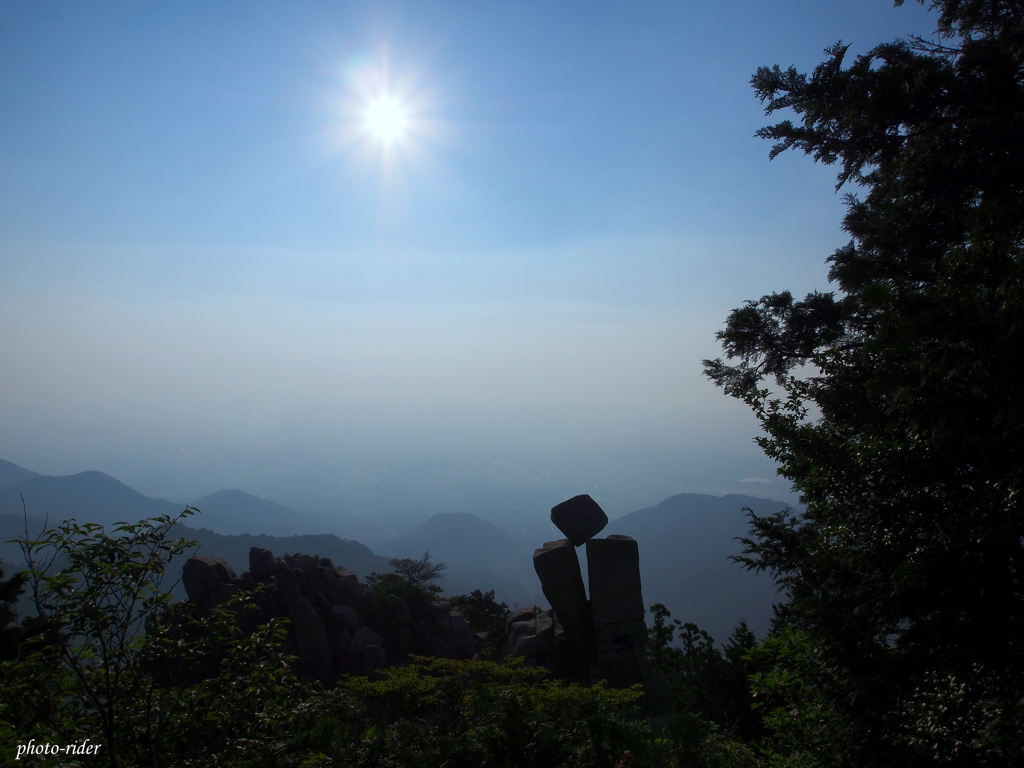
(558, 568)
(617, 607)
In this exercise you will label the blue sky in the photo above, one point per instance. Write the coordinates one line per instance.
(199, 241)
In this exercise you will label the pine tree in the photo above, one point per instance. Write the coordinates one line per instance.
(896, 410)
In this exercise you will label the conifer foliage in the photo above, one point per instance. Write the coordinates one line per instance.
(904, 432)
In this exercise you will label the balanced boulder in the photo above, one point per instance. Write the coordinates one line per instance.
(580, 518)
(582, 640)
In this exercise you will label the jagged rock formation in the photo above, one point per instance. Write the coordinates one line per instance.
(581, 640)
(338, 625)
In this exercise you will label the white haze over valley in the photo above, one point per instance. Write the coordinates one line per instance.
(384, 491)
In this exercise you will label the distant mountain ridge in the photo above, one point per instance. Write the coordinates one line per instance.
(96, 497)
(357, 557)
(11, 473)
(685, 545)
(87, 497)
(234, 512)
(99, 498)
(460, 539)
(685, 542)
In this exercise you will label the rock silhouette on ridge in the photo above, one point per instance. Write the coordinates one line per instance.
(336, 625)
(585, 640)
(579, 518)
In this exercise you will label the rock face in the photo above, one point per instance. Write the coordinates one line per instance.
(581, 640)
(558, 568)
(337, 627)
(580, 518)
(617, 605)
(210, 579)
(540, 638)
(613, 570)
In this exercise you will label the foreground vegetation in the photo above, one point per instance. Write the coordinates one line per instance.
(101, 661)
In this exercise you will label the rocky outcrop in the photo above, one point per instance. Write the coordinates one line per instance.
(337, 625)
(210, 579)
(581, 640)
(539, 637)
(340, 626)
(613, 571)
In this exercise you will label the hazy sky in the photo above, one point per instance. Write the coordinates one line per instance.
(202, 242)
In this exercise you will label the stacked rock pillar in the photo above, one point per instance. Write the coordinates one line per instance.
(607, 633)
(617, 609)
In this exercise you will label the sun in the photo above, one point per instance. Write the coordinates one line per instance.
(386, 119)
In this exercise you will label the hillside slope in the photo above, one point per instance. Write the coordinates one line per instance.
(233, 512)
(87, 497)
(11, 473)
(685, 544)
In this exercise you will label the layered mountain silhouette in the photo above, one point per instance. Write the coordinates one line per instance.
(99, 498)
(357, 557)
(685, 545)
(12, 473)
(461, 540)
(87, 497)
(236, 512)
(685, 542)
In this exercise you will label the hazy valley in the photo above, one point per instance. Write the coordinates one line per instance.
(685, 541)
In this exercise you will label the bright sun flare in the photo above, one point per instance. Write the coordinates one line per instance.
(385, 119)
